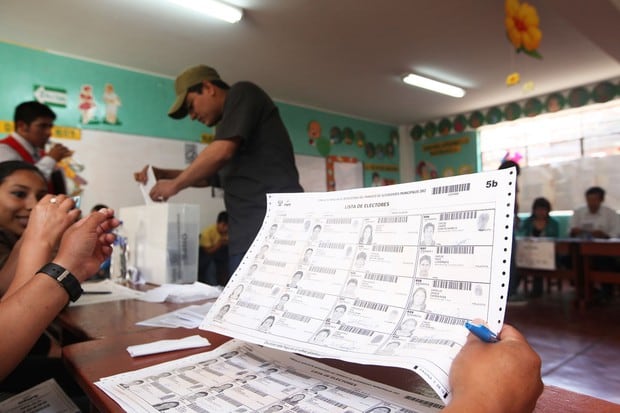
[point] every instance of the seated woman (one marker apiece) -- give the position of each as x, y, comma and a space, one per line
35, 295
539, 224
22, 185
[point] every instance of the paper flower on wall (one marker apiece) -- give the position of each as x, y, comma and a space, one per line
522, 27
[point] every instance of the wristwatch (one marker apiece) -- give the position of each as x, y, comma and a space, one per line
65, 279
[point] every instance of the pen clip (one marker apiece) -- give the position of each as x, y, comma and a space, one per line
482, 332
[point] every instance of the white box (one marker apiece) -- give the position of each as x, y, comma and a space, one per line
163, 241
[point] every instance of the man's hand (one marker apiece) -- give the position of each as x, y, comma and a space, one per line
141, 176
59, 152
496, 377
164, 189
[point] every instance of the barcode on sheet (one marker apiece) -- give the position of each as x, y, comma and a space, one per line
331, 245
229, 400
330, 401
261, 284
371, 305
356, 330
274, 263
388, 248
455, 249
337, 221
431, 340
296, 317
453, 285
425, 402
324, 270
247, 304
310, 293
254, 390
446, 189
352, 392
393, 220
285, 242
445, 319
381, 277
447, 216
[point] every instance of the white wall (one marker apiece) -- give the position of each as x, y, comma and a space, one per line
110, 159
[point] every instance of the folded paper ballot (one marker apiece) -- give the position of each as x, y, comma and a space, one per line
163, 346
181, 293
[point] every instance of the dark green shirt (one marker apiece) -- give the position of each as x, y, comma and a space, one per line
264, 162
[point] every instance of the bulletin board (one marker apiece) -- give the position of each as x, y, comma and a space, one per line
311, 173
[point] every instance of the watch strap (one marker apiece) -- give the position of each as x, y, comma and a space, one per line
65, 279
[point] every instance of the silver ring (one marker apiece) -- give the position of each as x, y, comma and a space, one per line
53, 200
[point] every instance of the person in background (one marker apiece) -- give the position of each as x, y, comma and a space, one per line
594, 220
33, 127
495, 377
252, 154
36, 296
539, 224
214, 250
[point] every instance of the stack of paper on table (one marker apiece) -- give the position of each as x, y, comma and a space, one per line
346, 275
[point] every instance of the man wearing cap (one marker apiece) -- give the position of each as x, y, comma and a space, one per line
251, 155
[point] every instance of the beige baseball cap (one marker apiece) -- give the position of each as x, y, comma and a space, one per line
184, 81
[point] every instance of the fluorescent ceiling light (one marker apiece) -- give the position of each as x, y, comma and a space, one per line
434, 85
212, 8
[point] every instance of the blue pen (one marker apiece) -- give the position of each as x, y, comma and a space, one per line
482, 332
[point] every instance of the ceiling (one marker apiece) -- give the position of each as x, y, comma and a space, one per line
342, 56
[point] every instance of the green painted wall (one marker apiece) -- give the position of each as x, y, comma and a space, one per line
145, 100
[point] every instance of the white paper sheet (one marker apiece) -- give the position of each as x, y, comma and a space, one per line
316, 281
181, 293
188, 317
241, 377
163, 346
104, 291
145, 189
45, 397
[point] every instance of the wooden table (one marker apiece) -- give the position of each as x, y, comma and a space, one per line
92, 360
581, 254
108, 319
590, 251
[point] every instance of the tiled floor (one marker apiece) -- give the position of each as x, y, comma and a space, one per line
580, 349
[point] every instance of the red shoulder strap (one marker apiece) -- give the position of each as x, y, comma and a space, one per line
12, 142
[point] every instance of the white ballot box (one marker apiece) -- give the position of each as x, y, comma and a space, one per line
162, 241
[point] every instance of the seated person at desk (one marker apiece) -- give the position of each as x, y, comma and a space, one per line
595, 220
214, 250
35, 297
22, 185
539, 224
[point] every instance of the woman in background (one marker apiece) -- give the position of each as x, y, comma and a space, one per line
539, 224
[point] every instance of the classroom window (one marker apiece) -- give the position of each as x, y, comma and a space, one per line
591, 131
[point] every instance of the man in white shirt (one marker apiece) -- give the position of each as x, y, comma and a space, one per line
33, 127
595, 220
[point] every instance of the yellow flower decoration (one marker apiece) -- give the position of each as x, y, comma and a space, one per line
522, 27
513, 79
